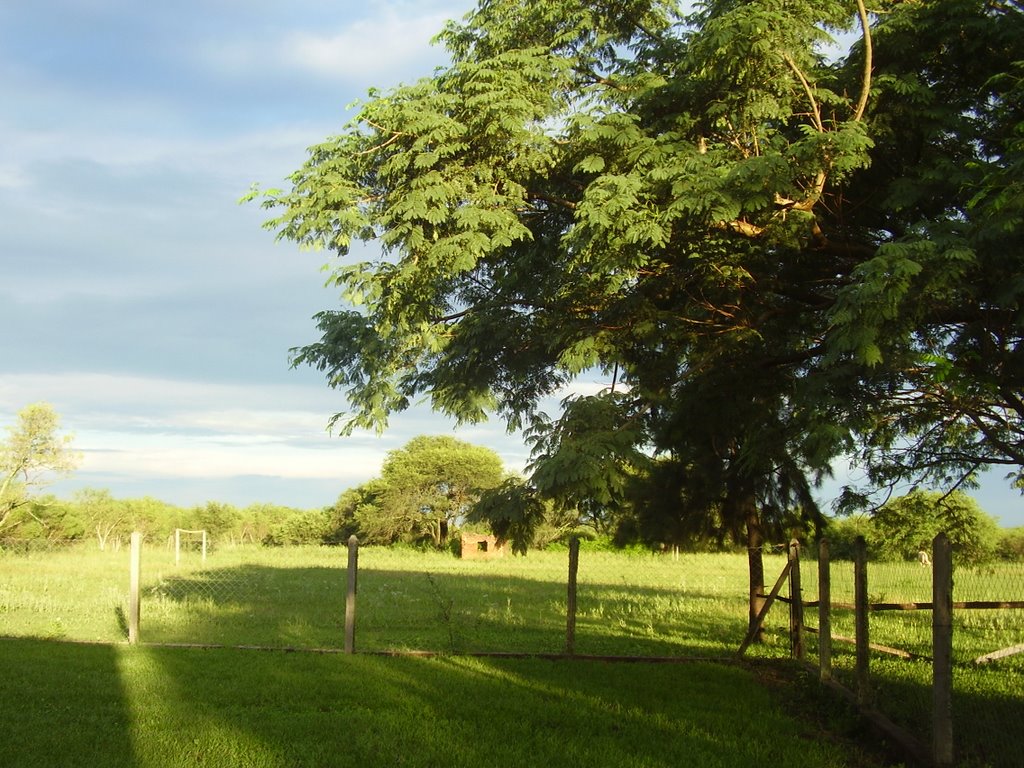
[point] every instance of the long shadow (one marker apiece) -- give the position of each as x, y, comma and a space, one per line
429, 611
64, 704
298, 709
988, 704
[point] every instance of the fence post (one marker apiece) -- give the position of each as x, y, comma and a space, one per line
135, 579
350, 596
570, 612
824, 612
796, 604
942, 651
860, 599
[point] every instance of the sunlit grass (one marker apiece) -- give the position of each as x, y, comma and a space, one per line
153, 707
629, 604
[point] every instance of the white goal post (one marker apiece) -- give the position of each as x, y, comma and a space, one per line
177, 542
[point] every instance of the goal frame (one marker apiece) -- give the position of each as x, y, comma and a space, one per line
177, 542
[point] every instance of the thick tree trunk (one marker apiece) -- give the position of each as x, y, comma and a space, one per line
740, 506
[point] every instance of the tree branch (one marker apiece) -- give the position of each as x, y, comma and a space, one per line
865, 89
815, 108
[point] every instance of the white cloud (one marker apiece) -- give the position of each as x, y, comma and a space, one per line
377, 48
137, 429
183, 457
12, 177
391, 45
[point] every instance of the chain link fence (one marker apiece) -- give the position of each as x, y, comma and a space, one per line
627, 604
64, 590
987, 649
243, 595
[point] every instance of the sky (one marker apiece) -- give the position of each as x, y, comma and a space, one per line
138, 297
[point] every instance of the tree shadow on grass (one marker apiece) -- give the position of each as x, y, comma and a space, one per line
299, 709
64, 705
437, 612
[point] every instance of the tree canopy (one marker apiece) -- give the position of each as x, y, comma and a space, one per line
779, 252
33, 452
424, 489
904, 526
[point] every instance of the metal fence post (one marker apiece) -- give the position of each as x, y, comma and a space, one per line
942, 651
350, 596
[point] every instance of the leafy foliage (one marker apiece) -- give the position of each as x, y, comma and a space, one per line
906, 525
782, 257
513, 511
31, 453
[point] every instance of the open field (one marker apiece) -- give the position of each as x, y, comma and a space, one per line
74, 705
629, 605
407, 600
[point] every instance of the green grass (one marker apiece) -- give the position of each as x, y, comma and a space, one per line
628, 605
73, 705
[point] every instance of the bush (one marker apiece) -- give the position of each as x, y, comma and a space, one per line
1011, 544
312, 527
842, 534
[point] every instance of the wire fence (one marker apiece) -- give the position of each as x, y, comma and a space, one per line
627, 604
987, 649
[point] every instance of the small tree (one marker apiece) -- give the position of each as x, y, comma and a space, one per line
32, 453
216, 518
103, 515
352, 506
1011, 544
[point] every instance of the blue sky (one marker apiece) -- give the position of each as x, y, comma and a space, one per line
139, 298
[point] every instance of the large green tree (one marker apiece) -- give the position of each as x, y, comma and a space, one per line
31, 455
425, 488
903, 527
938, 306
756, 238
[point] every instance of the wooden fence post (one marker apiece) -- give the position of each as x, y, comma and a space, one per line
135, 579
570, 612
796, 603
860, 600
942, 651
350, 596
824, 612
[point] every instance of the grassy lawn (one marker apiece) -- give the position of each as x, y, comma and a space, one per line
692, 606
112, 705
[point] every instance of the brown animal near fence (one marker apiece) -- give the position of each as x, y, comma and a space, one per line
478, 546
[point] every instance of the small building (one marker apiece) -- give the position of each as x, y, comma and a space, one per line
478, 546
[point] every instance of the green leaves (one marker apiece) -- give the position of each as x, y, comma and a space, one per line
708, 207
585, 460
32, 451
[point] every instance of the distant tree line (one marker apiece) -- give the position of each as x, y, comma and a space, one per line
94, 514
434, 485
902, 528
